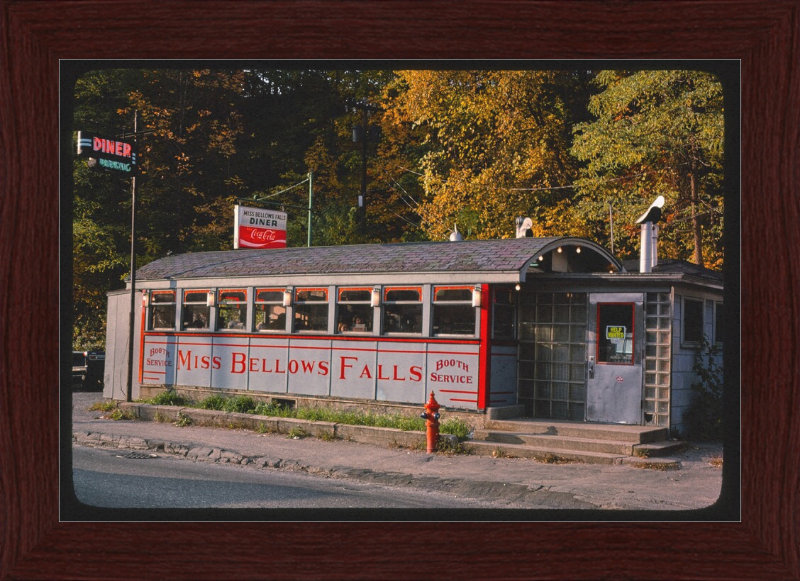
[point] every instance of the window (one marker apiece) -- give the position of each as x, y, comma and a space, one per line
162, 309
270, 312
311, 309
504, 312
402, 311
355, 313
196, 312
692, 321
719, 323
232, 309
615, 333
453, 313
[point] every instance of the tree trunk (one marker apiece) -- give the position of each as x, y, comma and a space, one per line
697, 230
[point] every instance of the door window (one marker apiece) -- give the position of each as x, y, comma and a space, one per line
615, 333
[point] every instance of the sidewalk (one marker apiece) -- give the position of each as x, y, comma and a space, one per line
517, 483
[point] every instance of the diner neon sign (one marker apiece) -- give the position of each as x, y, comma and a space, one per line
109, 153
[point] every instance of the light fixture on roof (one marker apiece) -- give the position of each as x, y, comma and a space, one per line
560, 250
578, 249
541, 258
145, 298
287, 297
375, 297
211, 299
516, 286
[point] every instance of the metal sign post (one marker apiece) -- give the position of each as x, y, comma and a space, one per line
129, 389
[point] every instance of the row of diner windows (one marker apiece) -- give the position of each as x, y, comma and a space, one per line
357, 310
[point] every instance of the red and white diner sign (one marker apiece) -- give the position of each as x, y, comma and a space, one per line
258, 228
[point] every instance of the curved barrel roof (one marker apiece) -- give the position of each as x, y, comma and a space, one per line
473, 256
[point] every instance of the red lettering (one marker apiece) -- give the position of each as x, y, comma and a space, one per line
118, 148
217, 362
323, 368
184, 360
416, 373
293, 366
126, 151
395, 375
278, 367
308, 366
380, 372
97, 144
346, 365
237, 362
108, 146
264, 367
254, 365
206, 361
365, 372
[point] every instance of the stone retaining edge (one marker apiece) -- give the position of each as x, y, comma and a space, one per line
389, 437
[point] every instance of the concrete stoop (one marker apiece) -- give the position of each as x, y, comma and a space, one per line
553, 442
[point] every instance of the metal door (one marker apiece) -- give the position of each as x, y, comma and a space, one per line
615, 339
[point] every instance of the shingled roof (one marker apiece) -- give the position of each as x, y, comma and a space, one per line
423, 257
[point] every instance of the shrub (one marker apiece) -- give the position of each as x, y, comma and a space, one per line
703, 418
241, 404
214, 402
456, 427
169, 398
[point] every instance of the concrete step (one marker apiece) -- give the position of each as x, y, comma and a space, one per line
541, 454
658, 449
622, 448
614, 432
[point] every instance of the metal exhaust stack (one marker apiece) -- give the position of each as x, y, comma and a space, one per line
648, 257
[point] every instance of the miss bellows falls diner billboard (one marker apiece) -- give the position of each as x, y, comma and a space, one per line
258, 228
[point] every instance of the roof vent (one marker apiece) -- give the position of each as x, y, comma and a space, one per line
524, 227
648, 257
456, 235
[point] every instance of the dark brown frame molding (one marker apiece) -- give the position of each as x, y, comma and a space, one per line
39, 539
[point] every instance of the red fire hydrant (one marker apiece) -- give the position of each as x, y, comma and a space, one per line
432, 424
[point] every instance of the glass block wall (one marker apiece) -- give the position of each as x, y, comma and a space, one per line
657, 359
552, 355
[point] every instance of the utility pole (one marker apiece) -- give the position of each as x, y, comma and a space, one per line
129, 394
310, 197
363, 133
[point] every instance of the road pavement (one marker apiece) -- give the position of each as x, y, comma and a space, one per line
511, 483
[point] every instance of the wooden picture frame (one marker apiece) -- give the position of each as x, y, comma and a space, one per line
754, 536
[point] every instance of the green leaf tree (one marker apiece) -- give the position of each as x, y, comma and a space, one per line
656, 133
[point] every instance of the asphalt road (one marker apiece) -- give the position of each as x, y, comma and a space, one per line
109, 479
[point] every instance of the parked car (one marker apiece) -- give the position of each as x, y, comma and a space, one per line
87, 370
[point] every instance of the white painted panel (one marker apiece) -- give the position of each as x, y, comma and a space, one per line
453, 373
267, 365
230, 366
309, 366
400, 372
503, 382
159, 363
194, 361
353, 369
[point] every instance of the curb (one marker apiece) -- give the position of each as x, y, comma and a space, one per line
387, 437
478, 489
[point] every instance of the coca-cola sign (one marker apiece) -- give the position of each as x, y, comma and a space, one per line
258, 228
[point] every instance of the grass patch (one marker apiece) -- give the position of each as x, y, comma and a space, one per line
214, 402
183, 421
297, 434
242, 404
169, 398
103, 406
119, 414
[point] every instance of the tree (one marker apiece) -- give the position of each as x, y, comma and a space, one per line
657, 133
496, 146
